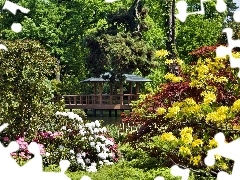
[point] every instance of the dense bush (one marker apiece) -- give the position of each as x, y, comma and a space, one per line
26, 105
26, 91
156, 74
124, 171
86, 145
180, 120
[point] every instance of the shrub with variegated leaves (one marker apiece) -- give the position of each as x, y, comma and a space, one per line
180, 120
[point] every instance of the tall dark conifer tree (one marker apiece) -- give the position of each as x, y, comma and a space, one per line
120, 48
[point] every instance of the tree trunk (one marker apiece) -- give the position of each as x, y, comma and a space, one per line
171, 39
58, 73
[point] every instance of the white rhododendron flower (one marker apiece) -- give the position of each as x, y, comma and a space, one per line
61, 147
63, 128
98, 148
91, 169
87, 160
92, 144
83, 154
97, 123
104, 129
92, 137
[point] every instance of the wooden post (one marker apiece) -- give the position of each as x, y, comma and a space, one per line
110, 113
111, 92
137, 89
85, 110
130, 87
100, 92
95, 88
115, 113
110, 99
75, 100
95, 92
101, 113
94, 113
121, 93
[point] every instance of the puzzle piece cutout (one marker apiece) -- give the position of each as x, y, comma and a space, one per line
226, 150
110, 1
236, 16
12, 7
32, 169
177, 171
34, 164
182, 9
16, 27
7, 161
85, 178
222, 51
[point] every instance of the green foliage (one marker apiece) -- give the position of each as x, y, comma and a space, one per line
60, 27
70, 84
112, 60
136, 164
115, 132
155, 35
157, 74
204, 97
119, 48
55, 24
26, 93
79, 112
123, 171
197, 32
202, 30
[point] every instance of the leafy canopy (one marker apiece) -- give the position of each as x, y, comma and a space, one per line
118, 47
26, 91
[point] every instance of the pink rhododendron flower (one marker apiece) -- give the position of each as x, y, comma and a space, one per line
5, 139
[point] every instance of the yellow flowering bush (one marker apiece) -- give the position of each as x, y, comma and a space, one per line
236, 106
168, 137
209, 97
181, 119
173, 78
161, 111
161, 53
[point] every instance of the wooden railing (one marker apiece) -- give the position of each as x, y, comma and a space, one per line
97, 99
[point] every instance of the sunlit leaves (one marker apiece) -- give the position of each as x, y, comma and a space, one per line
26, 90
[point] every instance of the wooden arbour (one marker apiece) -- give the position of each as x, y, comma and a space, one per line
110, 101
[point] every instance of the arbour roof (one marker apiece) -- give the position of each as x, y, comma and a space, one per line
129, 78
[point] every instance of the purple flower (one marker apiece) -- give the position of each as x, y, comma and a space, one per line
5, 139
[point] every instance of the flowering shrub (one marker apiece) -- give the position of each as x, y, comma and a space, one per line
22, 155
180, 120
86, 145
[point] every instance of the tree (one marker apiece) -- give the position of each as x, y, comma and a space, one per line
202, 30
26, 91
60, 27
195, 32
118, 47
171, 37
